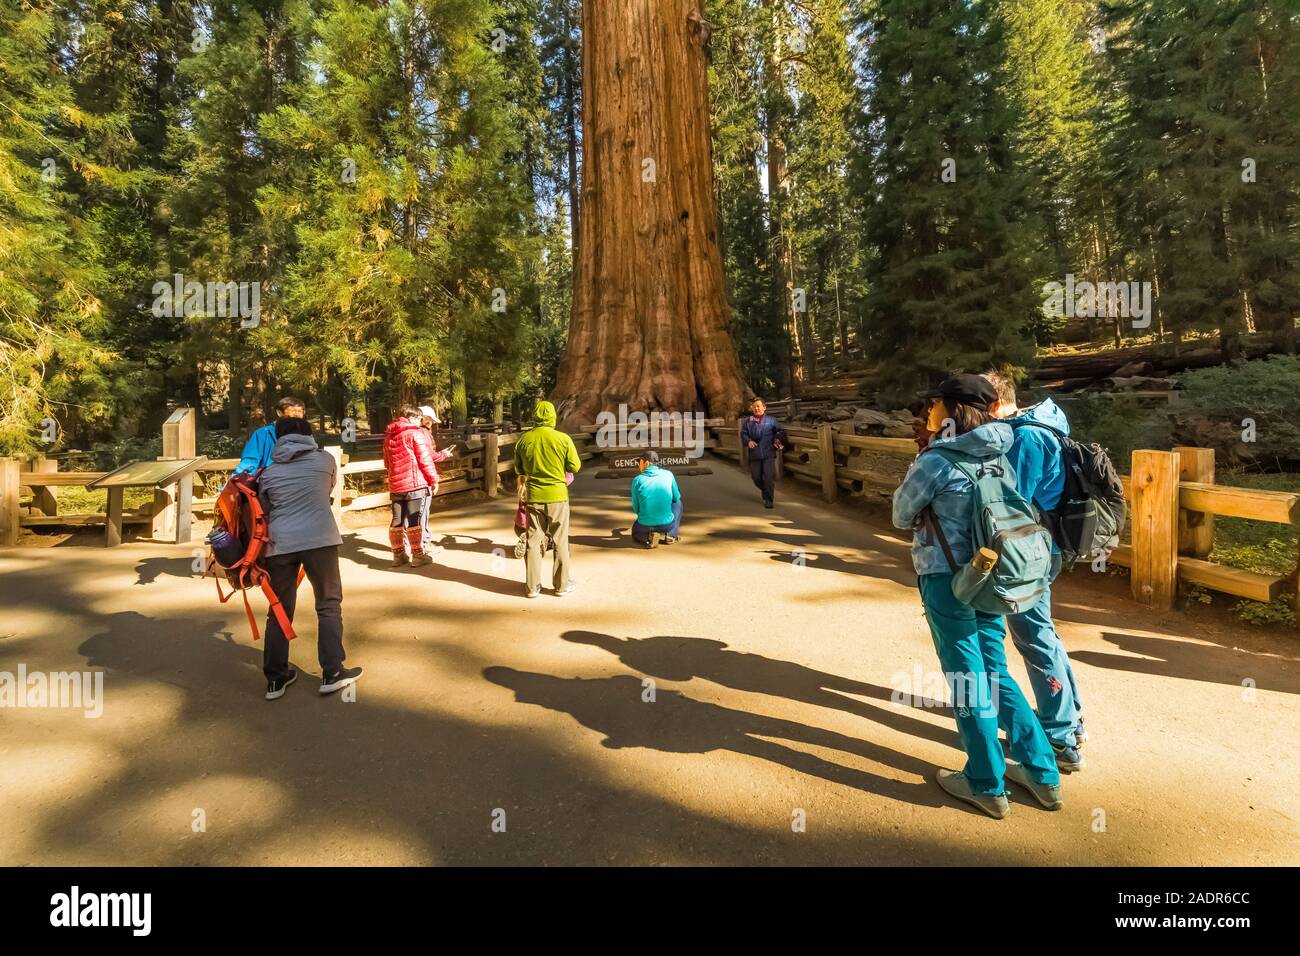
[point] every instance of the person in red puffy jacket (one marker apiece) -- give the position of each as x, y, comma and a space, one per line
412, 464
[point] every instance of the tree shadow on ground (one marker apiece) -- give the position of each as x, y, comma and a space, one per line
1183, 659
681, 658
675, 723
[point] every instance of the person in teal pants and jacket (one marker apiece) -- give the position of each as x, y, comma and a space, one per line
970, 643
1036, 458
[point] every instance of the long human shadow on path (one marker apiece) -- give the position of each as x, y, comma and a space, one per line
675, 723
1183, 659
619, 537
378, 770
417, 776
150, 569
358, 549
889, 562
681, 658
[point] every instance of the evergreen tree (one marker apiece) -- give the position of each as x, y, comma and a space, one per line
51, 315
951, 274
757, 317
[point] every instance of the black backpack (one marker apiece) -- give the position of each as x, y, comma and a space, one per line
1086, 523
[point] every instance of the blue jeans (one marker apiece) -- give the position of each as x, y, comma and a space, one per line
985, 696
1050, 673
641, 532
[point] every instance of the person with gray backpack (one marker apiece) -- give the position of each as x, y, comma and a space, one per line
979, 554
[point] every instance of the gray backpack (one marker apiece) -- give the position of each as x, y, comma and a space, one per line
1005, 523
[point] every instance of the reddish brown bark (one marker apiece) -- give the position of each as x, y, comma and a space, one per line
650, 316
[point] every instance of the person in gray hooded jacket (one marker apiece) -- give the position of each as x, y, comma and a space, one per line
295, 489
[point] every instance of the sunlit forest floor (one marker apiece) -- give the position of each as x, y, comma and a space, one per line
772, 640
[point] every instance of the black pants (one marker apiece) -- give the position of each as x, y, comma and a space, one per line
411, 509
322, 566
763, 471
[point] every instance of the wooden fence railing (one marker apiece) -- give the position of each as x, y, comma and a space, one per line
485, 457
1172, 503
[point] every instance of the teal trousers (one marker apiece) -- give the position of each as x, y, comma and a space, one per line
984, 696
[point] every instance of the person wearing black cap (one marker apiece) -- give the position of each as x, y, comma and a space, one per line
934, 501
657, 503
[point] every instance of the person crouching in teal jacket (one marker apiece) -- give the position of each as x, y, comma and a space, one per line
934, 501
657, 503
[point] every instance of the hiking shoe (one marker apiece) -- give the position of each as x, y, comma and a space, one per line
1068, 759
567, 589
652, 542
1080, 736
768, 504
337, 680
954, 783
533, 592
668, 539
420, 560
400, 559
275, 688
1048, 795
521, 548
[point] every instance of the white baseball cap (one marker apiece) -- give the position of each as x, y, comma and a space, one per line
427, 411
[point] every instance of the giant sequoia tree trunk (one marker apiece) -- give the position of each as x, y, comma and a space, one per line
650, 316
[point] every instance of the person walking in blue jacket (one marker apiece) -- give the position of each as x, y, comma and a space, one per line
970, 643
257, 450
657, 503
763, 435
1035, 456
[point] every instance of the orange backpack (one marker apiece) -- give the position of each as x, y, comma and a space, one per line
239, 537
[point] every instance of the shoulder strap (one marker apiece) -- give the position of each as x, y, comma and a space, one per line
1045, 427
933, 521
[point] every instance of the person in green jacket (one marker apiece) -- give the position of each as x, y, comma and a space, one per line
542, 455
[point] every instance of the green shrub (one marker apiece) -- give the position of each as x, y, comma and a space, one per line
1277, 614
1266, 391
1119, 424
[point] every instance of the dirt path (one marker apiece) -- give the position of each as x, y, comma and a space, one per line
774, 640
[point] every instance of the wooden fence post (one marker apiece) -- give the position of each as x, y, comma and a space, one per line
173, 507
1195, 528
45, 498
826, 450
336, 494
9, 526
113, 517
491, 462
1154, 569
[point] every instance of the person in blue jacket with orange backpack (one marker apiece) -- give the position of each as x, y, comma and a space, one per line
257, 450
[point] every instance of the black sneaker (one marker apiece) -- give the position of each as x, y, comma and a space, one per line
339, 679
275, 688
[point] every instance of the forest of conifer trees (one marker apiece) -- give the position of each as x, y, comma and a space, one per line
895, 182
